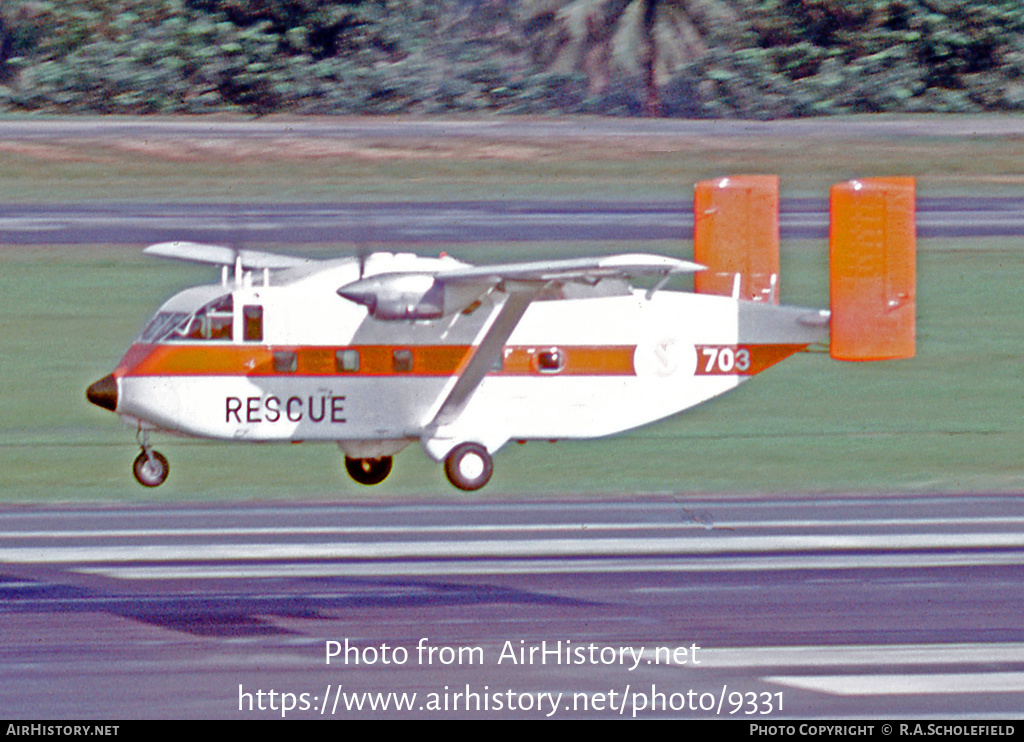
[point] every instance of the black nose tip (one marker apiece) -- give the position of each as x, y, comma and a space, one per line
103, 393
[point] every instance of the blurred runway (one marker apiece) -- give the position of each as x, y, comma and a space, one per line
859, 606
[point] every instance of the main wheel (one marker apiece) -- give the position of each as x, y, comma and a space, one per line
151, 469
469, 466
368, 471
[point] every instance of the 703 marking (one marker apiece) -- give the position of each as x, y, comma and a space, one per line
716, 360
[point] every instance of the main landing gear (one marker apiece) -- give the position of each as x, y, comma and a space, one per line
150, 467
469, 466
368, 471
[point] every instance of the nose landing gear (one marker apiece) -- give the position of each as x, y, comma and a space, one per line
150, 467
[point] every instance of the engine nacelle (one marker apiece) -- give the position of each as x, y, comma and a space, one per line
398, 296
411, 296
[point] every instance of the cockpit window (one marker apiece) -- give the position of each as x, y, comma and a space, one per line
213, 321
161, 326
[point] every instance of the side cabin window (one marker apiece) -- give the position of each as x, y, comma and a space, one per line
211, 322
252, 323
286, 361
401, 360
346, 360
549, 361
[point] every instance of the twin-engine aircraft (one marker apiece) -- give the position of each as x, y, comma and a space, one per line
383, 350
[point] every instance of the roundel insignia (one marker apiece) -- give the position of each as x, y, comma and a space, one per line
663, 357
666, 358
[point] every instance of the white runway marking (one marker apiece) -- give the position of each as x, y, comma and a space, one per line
891, 655
903, 685
898, 657
504, 548
683, 525
549, 566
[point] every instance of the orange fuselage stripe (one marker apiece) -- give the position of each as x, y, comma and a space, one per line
215, 359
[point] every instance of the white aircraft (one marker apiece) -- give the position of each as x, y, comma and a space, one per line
380, 351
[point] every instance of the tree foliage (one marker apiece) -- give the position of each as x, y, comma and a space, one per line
750, 58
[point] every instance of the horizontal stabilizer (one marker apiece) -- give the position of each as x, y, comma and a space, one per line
195, 252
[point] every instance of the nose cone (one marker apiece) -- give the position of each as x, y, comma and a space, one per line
103, 393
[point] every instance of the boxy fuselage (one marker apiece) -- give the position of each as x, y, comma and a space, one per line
290, 355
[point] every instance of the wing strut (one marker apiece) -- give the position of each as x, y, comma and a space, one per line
488, 353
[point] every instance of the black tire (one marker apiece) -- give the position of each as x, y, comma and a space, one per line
151, 472
368, 471
469, 466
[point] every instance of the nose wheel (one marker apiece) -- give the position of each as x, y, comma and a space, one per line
151, 468
469, 466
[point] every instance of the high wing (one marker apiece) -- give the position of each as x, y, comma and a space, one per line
423, 295
577, 269
195, 252
419, 296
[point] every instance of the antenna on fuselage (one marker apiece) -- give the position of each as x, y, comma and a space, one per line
362, 254
240, 233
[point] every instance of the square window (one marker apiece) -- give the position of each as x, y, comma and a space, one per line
550, 361
285, 361
252, 320
402, 360
346, 361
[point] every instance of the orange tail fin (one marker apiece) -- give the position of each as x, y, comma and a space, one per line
736, 232
872, 240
